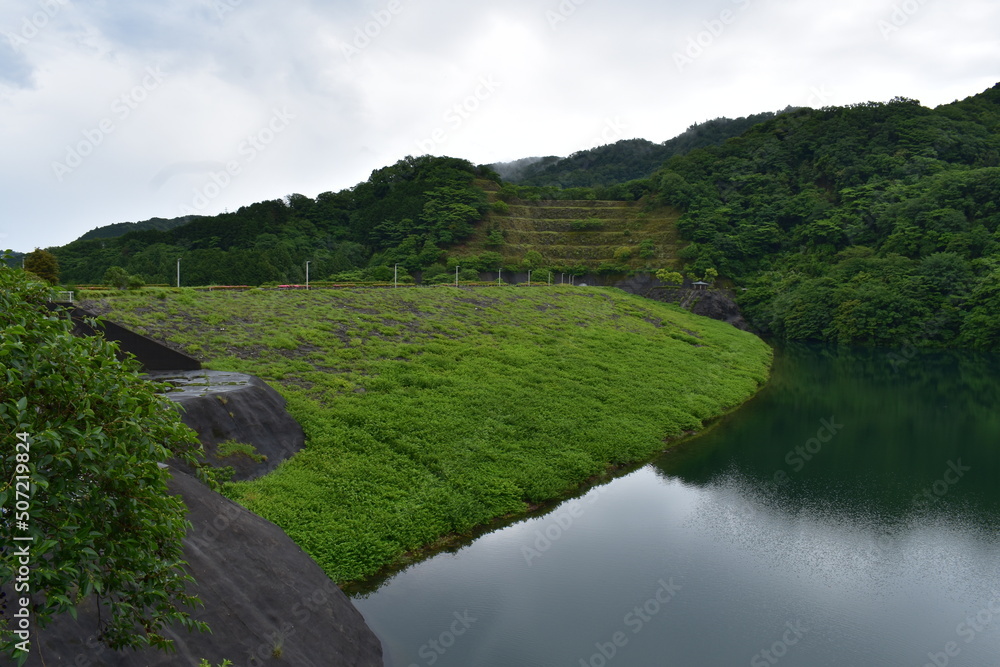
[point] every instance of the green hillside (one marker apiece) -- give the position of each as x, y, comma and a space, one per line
429, 412
122, 228
873, 224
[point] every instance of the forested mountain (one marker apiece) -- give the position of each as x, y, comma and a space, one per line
122, 228
14, 259
625, 160
874, 224
404, 213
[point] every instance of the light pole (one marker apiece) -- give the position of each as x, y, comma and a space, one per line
307, 275
178, 273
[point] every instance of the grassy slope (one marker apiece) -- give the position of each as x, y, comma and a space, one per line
431, 411
546, 226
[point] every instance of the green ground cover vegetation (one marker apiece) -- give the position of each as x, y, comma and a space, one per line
431, 411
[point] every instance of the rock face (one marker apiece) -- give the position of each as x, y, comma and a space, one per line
266, 601
223, 407
717, 304
153, 355
714, 303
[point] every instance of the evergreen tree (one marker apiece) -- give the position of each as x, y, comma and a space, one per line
43, 264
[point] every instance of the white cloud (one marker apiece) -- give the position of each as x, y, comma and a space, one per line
528, 78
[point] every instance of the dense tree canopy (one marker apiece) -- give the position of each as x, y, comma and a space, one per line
43, 264
873, 224
402, 214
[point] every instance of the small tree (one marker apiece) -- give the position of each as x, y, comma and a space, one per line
670, 277
43, 264
116, 277
494, 238
88, 432
532, 260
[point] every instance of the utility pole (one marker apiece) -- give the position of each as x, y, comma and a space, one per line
178, 272
395, 276
307, 275
456, 276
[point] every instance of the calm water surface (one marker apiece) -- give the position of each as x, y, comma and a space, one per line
849, 515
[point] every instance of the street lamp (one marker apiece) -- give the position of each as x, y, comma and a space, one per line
307, 275
178, 272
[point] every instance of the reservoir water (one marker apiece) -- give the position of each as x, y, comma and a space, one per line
848, 515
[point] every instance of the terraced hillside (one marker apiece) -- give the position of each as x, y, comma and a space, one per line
593, 234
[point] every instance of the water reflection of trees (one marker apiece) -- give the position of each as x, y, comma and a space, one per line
906, 414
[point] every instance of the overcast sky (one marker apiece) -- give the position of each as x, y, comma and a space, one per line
123, 111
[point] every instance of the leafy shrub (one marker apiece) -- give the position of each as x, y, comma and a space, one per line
588, 225
94, 432
234, 448
623, 254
